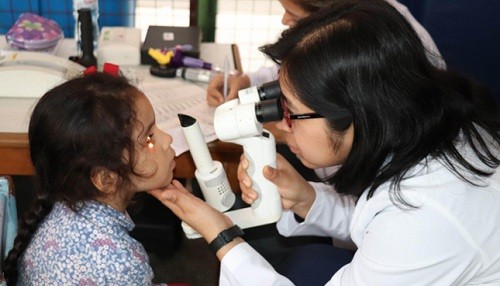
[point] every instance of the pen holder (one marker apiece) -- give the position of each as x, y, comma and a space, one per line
162, 71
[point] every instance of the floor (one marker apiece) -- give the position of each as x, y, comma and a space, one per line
192, 264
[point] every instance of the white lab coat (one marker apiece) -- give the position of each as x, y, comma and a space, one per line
451, 238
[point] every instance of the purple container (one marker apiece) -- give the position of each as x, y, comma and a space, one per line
34, 32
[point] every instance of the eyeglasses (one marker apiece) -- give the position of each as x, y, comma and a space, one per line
289, 116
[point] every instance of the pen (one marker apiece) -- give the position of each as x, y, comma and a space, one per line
226, 77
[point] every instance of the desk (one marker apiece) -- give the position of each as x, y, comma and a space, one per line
14, 146
15, 158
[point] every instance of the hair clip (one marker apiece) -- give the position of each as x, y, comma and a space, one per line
108, 68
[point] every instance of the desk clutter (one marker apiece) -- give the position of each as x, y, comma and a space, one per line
167, 37
119, 45
34, 32
175, 52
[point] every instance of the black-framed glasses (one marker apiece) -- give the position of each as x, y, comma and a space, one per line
290, 116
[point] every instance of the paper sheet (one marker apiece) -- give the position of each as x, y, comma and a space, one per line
173, 96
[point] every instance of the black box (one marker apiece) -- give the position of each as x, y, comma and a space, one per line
160, 37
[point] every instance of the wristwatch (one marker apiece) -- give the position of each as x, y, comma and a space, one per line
225, 237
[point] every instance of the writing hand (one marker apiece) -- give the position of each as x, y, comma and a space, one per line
215, 88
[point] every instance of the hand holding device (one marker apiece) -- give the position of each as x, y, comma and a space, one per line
242, 124
210, 174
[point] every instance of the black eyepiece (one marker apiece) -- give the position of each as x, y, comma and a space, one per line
269, 90
268, 110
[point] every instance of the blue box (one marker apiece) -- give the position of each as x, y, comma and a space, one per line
11, 9
111, 13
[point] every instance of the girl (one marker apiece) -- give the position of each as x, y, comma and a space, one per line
94, 144
417, 190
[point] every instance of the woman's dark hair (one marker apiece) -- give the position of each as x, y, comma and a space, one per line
76, 128
312, 6
362, 58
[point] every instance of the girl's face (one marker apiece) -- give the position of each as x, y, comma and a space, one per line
154, 156
293, 13
314, 143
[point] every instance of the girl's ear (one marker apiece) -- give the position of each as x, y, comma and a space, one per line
104, 180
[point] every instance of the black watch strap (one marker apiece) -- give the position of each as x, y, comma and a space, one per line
298, 218
225, 237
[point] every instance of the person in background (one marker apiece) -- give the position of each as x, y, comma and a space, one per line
417, 190
294, 11
94, 144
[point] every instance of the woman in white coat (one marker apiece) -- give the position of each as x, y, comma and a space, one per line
417, 190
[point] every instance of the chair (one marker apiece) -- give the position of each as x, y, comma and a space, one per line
8, 216
216, 53
156, 227
467, 35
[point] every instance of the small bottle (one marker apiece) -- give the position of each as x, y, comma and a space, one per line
196, 63
181, 60
93, 5
195, 74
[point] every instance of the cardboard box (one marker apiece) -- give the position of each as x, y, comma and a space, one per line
164, 37
120, 46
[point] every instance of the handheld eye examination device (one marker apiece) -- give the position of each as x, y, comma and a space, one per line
239, 121
210, 174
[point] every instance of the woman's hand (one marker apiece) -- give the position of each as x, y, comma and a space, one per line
203, 218
215, 96
296, 193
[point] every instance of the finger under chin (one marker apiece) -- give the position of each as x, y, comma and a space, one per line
177, 185
155, 193
247, 199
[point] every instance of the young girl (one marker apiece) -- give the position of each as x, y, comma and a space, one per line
94, 144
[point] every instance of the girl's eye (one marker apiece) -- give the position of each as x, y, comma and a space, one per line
150, 141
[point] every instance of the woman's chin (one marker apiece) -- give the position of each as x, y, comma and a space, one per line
307, 163
312, 165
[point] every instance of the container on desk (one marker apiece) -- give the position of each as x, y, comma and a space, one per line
111, 13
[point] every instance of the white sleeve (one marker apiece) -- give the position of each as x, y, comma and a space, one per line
408, 247
432, 50
263, 75
324, 173
242, 265
330, 215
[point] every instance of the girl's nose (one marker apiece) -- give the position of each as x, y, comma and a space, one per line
168, 141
